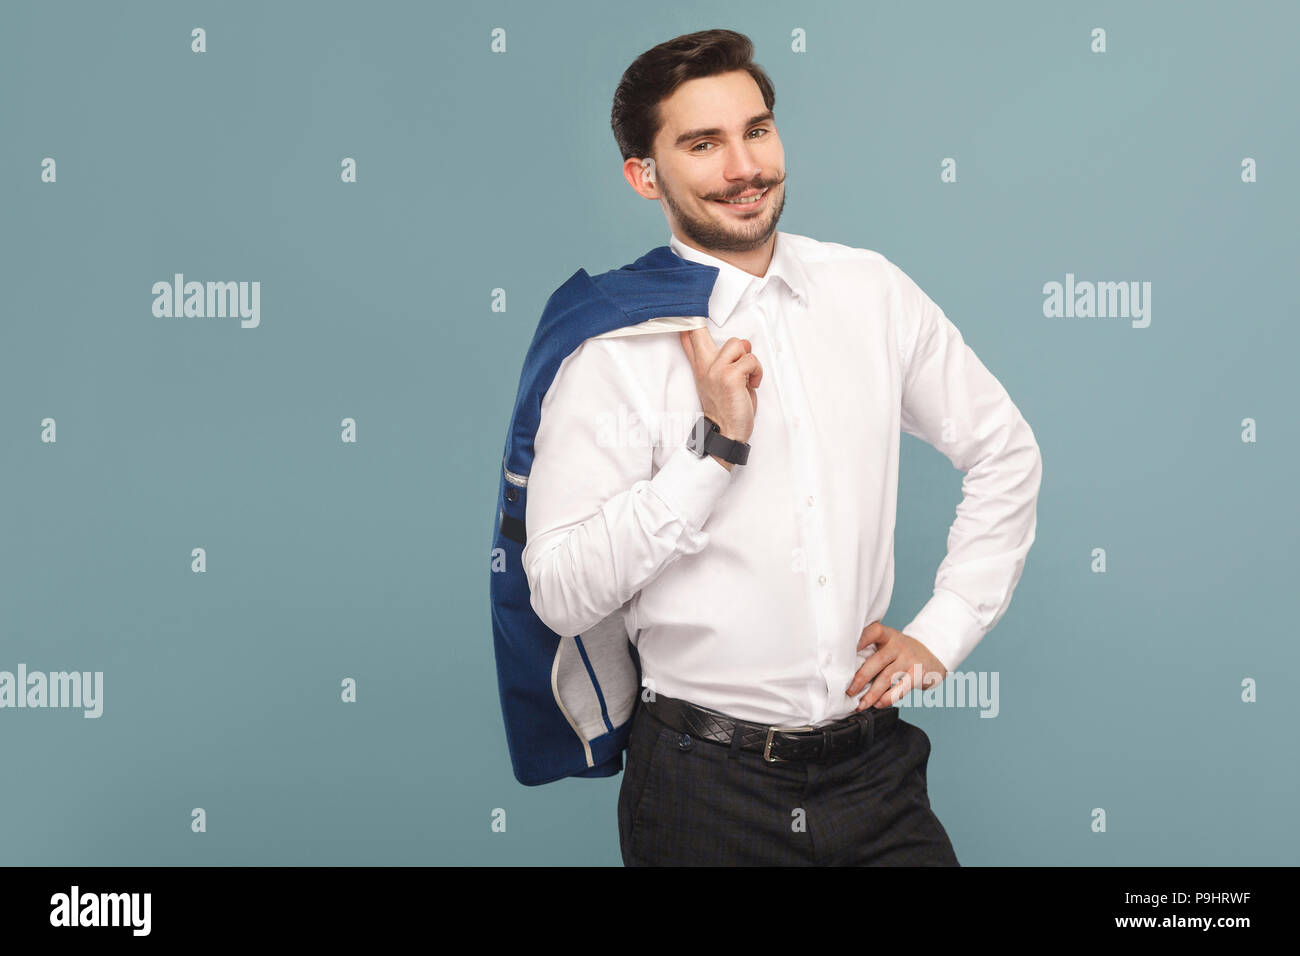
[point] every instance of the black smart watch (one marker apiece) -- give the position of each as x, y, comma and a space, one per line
706, 438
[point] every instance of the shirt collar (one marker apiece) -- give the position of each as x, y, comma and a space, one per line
732, 282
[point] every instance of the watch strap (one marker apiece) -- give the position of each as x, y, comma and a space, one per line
716, 443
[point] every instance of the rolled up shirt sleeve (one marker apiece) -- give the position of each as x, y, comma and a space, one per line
954, 403
601, 522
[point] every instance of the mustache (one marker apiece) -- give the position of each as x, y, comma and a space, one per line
763, 184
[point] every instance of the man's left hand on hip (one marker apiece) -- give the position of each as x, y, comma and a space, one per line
897, 657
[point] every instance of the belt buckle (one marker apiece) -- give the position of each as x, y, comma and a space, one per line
767, 747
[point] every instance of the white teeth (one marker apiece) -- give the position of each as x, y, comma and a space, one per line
755, 198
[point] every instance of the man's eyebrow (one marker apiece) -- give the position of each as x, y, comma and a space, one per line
715, 131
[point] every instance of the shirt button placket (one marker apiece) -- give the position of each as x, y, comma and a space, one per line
805, 477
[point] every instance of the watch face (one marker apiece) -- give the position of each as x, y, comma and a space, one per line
695, 441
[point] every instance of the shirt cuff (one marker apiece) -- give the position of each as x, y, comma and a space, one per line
948, 627
691, 486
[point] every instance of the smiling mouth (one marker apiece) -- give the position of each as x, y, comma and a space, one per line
745, 200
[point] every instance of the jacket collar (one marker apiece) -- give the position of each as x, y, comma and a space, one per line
733, 283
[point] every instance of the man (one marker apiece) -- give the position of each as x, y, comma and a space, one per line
753, 568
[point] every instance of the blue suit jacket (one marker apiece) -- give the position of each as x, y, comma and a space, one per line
568, 699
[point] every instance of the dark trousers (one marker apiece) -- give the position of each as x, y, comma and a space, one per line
691, 802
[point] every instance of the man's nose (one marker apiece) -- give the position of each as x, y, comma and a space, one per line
742, 165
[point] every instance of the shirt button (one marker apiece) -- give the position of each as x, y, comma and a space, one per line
810, 500
822, 579
796, 421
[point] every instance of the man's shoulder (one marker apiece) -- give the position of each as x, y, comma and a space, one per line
613, 365
823, 252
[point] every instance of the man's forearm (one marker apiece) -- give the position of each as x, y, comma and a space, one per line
581, 574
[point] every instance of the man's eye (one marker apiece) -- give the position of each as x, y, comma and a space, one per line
757, 129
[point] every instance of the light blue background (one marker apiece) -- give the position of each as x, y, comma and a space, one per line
476, 171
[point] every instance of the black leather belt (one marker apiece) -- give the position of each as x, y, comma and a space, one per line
829, 742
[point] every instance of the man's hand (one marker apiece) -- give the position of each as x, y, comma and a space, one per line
726, 379
898, 657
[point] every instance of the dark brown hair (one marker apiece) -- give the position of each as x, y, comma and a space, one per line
654, 75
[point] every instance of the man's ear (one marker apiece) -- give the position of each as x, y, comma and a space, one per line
640, 175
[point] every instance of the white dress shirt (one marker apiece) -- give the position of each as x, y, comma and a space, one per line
747, 590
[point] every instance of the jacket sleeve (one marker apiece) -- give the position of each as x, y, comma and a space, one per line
954, 403
600, 525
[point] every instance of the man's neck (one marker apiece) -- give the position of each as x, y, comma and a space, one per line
755, 262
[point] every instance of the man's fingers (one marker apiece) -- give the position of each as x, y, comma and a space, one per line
745, 366
898, 691
704, 346
732, 350
688, 346
700, 350
871, 634
873, 665
880, 685
703, 352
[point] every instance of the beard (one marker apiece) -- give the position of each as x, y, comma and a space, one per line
740, 235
